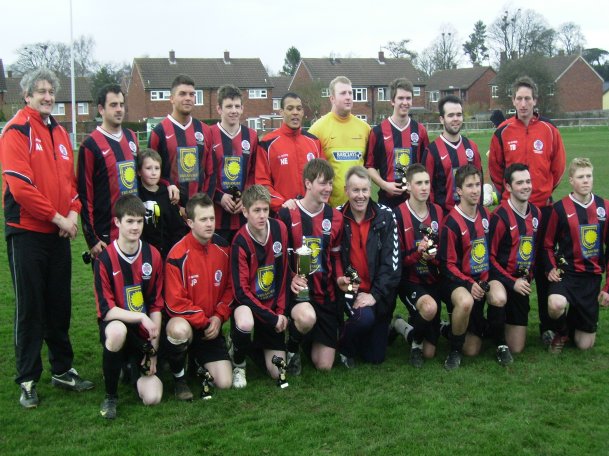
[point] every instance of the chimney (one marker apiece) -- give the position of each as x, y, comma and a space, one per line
226, 57
381, 57
172, 57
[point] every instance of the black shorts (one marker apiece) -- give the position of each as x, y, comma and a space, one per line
477, 323
517, 308
132, 350
208, 351
581, 291
326, 327
266, 338
410, 293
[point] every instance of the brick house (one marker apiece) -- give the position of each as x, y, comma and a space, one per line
469, 84
86, 109
576, 84
151, 78
370, 78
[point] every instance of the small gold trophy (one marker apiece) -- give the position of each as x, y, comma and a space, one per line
400, 175
304, 258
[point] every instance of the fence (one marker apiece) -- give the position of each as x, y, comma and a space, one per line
474, 125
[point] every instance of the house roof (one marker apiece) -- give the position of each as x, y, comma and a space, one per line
281, 85
82, 88
558, 65
2, 78
363, 71
159, 73
459, 78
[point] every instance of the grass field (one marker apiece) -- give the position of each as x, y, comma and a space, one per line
540, 405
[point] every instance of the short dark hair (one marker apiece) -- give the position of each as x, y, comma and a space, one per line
400, 83
199, 199
448, 99
525, 81
103, 92
148, 153
181, 79
317, 167
414, 169
288, 95
513, 168
464, 172
228, 91
129, 205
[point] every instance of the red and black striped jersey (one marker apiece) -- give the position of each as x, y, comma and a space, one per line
464, 247
442, 159
415, 268
197, 281
580, 232
185, 150
260, 272
106, 171
322, 233
133, 283
513, 241
389, 145
234, 164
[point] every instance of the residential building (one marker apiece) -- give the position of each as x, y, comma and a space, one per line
469, 84
370, 79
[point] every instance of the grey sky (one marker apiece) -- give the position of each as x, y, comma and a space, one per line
266, 29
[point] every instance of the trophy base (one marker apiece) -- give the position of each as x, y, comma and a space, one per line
303, 296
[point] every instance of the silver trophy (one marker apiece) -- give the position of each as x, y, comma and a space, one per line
304, 258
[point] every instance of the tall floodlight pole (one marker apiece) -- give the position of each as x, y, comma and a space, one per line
72, 78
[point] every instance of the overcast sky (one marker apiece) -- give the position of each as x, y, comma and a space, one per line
126, 29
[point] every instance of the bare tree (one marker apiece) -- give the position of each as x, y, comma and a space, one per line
571, 38
56, 56
519, 33
425, 61
446, 49
399, 50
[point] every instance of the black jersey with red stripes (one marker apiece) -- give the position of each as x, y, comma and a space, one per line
322, 233
513, 242
415, 268
133, 283
579, 232
234, 164
388, 146
185, 151
464, 247
106, 171
442, 159
260, 272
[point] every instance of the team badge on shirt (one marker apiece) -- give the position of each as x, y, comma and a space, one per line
326, 225
535, 223
485, 225
245, 145
310, 156
265, 282
589, 240
538, 145
134, 299
469, 153
132, 146
126, 177
188, 164
414, 138
199, 136
600, 213
146, 271
277, 248
64, 152
479, 256
217, 277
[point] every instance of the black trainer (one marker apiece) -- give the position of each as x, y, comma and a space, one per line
71, 381
416, 357
504, 356
108, 407
453, 360
29, 396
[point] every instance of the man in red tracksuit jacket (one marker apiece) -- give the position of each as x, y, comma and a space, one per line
283, 154
530, 139
198, 296
41, 209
